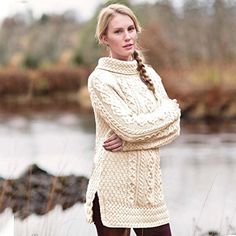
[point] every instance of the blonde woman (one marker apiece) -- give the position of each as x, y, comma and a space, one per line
134, 118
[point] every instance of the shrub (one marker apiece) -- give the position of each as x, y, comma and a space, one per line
31, 61
63, 79
14, 81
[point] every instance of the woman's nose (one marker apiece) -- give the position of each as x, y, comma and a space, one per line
127, 35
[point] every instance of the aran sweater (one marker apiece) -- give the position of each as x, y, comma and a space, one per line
128, 182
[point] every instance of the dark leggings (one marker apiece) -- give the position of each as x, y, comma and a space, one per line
163, 230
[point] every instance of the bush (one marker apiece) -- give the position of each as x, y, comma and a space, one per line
31, 61
63, 79
14, 82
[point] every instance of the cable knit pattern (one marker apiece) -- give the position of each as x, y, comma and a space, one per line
128, 182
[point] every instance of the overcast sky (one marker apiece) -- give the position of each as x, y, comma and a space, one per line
83, 8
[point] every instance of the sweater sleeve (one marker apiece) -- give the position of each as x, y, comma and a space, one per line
161, 139
164, 137
121, 119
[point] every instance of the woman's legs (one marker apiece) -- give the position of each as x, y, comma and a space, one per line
163, 230
103, 230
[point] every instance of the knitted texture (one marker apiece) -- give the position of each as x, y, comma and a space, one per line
128, 182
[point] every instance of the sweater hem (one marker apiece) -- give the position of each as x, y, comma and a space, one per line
115, 216
135, 225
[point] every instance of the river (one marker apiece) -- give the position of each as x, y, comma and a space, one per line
198, 169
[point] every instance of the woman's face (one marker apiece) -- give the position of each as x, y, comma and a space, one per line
121, 37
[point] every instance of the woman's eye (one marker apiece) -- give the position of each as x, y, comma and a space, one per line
117, 31
131, 28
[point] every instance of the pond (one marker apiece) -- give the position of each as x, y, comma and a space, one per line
199, 171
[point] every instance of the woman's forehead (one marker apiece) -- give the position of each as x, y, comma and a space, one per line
120, 21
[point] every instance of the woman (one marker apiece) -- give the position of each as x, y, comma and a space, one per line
134, 117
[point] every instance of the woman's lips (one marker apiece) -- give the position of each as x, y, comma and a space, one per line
128, 46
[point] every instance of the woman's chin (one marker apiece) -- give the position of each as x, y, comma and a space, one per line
129, 54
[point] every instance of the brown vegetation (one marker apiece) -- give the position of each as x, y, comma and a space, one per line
38, 192
203, 92
192, 48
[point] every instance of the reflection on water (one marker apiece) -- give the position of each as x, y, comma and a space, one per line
61, 144
199, 170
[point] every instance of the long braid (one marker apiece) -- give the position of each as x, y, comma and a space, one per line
143, 73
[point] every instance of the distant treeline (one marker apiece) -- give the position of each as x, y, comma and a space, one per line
200, 32
46, 61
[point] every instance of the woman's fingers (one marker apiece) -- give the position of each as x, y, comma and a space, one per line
113, 143
117, 140
112, 137
117, 145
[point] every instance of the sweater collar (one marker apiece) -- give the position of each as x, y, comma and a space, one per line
117, 66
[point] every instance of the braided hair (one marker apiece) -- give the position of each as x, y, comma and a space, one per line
142, 71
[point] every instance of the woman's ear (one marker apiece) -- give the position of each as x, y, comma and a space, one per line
104, 40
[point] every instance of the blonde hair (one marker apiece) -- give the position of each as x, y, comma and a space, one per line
104, 17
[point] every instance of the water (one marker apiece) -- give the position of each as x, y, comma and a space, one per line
61, 144
199, 171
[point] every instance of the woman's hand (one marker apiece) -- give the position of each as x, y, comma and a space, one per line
113, 143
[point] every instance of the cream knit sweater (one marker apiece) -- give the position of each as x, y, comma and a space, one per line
128, 182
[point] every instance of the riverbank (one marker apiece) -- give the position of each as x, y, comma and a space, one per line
202, 105
204, 92
38, 192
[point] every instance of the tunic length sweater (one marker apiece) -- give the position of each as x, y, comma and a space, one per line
128, 182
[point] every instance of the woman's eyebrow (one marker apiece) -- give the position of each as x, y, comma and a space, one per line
115, 28
118, 28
